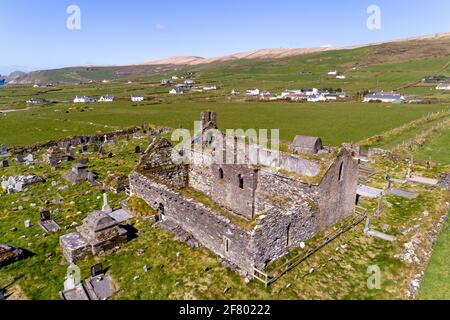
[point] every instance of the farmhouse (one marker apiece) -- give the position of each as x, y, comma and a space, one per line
248, 214
137, 97
166, 82
107, 99
389, 97
253, 92
210, 88
37, 100
443, 86
316, 98
177, 90
84, 99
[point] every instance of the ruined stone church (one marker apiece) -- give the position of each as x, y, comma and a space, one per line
248, 214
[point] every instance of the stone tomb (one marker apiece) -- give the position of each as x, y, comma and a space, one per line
54, 156
79, 173
98, 233
9, 254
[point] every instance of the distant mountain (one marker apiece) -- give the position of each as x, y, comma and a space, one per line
16, 77
388, 52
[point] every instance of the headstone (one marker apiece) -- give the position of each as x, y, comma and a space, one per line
84, 161
137, 149
85, 149
27, 224
106, 208
90, 177
18, 187
110, 155
73, 278
20, 158
45, 215
96, 148
5, 164
29, 158
4, 149
105, 139
97, 270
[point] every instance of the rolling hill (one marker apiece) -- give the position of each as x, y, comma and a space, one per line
411, 49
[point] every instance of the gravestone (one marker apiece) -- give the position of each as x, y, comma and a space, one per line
5, 163
20, 158
45, 215
91, 177
4, 149
137, 149
84, 161
110, 155
85, 149
106, 208
29, 158
97, 270
96, 148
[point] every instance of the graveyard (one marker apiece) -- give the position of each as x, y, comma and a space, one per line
154, 265
66, 169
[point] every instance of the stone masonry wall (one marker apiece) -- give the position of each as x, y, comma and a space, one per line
338, 190
288, 216
209, 228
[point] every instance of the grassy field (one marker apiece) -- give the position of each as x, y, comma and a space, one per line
437, 148
338, 271
334, 122
436, 283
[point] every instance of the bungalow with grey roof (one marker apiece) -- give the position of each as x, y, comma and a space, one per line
389, 97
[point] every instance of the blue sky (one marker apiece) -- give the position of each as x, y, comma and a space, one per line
33, 33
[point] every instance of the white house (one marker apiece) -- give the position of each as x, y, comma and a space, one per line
389, 97
253, 92
443, 86
36, 100
210, 88
107, 99
177, 90
84, 99
316, 98
137, 97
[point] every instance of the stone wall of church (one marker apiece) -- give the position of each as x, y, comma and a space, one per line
209, 228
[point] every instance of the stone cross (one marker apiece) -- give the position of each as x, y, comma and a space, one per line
105, 139
106, 208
